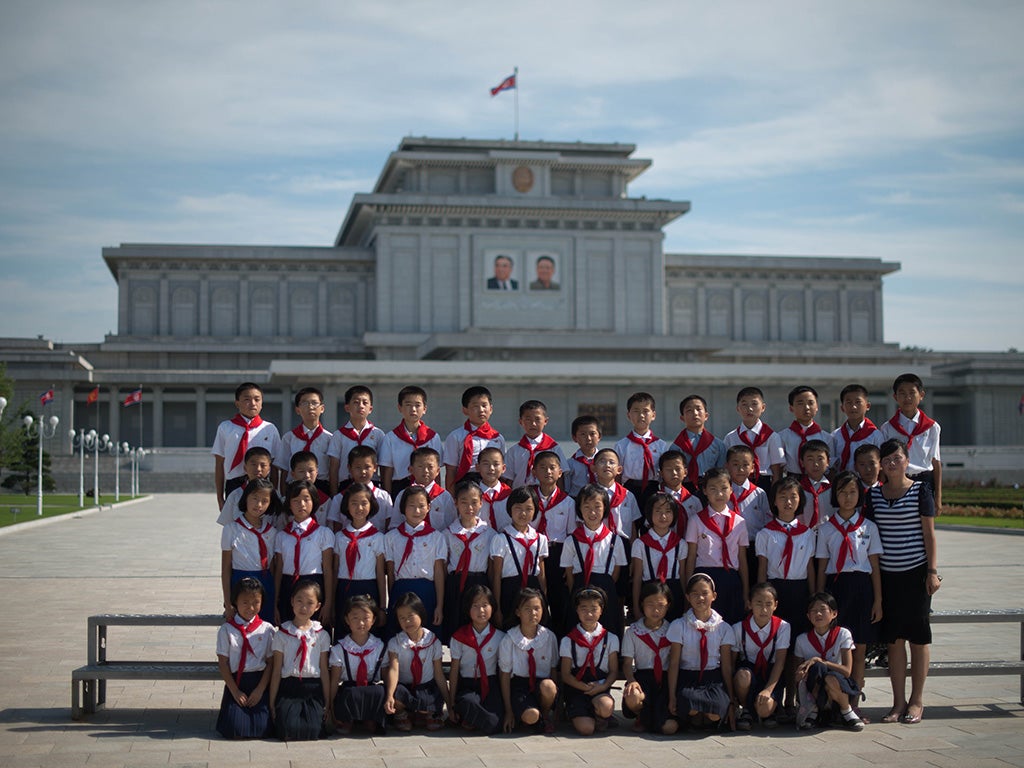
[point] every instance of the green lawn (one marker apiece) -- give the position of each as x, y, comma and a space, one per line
53, 504
1005, 497
982, 522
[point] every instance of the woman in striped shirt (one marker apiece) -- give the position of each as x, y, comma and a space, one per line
904, 511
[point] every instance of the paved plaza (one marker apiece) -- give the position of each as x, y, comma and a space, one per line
161, 556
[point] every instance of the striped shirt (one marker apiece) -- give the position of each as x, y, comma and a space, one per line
899, 525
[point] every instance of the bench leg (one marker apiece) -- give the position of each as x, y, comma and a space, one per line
76, 700
89, 696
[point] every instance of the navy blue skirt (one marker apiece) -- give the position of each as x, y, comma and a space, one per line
510, 586
455, 613
266, 578
425, 697
854, 594
793, 598
654, 713
343, 590
701, 692
426, 591
757, 684
611, 617
482, 713
238, 722
299, 709
730, 602
284, 600
357, 703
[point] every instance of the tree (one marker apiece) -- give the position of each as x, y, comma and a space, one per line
8, 428
22, 460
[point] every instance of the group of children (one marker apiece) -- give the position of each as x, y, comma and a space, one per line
523, 545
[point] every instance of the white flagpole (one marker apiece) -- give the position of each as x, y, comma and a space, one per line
515, 73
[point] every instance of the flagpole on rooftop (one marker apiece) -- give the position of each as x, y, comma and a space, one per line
515, 74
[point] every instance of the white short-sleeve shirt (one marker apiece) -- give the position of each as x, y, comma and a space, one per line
426, 549
507, 545
229, 644
288, 641
513, 653
404, 647
346, 654
685, 631
467, 656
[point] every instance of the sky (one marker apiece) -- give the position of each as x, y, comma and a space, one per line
891, 130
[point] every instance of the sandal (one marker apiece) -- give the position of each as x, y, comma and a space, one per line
894, 715
910, 719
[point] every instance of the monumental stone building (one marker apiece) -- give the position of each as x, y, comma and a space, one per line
525, 266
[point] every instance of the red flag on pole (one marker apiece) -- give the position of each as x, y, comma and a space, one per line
93, 397
505, 85
47, 397
133, 398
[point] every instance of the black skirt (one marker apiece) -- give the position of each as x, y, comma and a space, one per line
455, 614
793, 597
299, 709
425, 697
854, 594
654, 713
356, 703
238, 722
484, 714
701, 692
906, 605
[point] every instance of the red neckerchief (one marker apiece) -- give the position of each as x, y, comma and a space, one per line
797, 428
830, 640
485, 432
352, 548
417, 663
546, 444
300, 433
357, 437
757, 442
424, 434
362, 672
861, 434
712, 525
556, 498
669, 546
467, 636
433, 490
616, 497
580, 534
924, 423
290, 530
492, 496
644, 443
264, 560
846, 548
243, 444
787, 551
761, 662
588, 463
808, 485
703, 650
527, 545
531, 665
464, 558
409, 538
703, 443
578, 638
303, 653
735, 500
245, 630
656, 646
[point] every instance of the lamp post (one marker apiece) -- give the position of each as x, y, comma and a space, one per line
137, 454
117, 450
43, 430
98, 443
3, 405
78, 439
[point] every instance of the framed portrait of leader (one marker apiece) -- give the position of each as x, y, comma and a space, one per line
544, 270
503, 269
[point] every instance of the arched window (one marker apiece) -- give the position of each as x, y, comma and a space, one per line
224, 312
184, 315
262, 312
791, 325
755, 320
143, 311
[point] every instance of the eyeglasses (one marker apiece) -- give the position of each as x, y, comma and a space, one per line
310, 404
